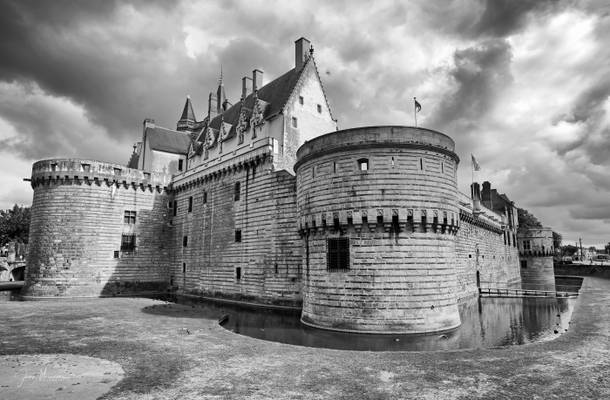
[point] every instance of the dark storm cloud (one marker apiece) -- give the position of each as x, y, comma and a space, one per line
503, 17
479, 73
600, 212
73, 50
485, 18
588, 109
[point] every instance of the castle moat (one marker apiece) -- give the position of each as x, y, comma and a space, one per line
486, 323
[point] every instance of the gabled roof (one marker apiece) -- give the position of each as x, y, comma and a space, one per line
274, 95
167, 140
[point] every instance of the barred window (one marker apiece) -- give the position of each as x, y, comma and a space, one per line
129, 217
337, 256
526, 245
128, 243
237, 191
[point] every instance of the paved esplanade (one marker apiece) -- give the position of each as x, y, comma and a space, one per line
161, 360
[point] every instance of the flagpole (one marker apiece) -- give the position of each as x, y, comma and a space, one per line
415, 110
472, 170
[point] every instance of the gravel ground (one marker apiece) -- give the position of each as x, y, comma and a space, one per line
169, 351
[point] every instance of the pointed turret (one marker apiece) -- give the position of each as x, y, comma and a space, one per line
220, 94
187, 120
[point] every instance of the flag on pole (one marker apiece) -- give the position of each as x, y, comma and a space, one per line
417, 105
475, 164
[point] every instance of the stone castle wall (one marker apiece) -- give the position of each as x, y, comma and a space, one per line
77, 223
268, 253
483, 249
400, 216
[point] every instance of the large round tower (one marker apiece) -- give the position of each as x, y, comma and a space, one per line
378, 215
96, 229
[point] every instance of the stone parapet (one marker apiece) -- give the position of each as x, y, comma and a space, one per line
77, 171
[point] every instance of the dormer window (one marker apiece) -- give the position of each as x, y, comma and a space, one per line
319, 109
301, 100
294, 122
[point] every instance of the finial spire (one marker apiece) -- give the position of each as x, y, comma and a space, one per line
220, 78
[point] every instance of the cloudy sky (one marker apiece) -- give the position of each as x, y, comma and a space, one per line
523, 85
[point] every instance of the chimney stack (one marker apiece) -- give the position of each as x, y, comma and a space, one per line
149, 123
475, 190
301, 50
246, 86
257, 79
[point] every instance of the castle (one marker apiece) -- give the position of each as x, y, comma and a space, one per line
265, 201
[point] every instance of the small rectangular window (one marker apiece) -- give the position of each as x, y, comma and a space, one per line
116, 254
205, 197
190, 203
421, 164
363, 164
175, 207
526, 245
238, 273
185, 241
180, 165
237, 191
523, 263
184, 268
301, 100
129, 217
128, 243
337, 256
319, 109
294, 122
238, 235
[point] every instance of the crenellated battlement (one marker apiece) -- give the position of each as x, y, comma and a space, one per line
389, 219
80, 171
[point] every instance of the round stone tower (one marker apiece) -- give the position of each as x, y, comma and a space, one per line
96, 229
378, 215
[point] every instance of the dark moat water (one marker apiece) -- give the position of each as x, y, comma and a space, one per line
486, 322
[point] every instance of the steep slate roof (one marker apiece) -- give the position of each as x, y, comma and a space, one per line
133, 160
167, 140
187, 113
274, 95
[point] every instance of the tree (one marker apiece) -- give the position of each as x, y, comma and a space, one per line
592, 248
569, 250
14, 225
527, 220
557, 240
